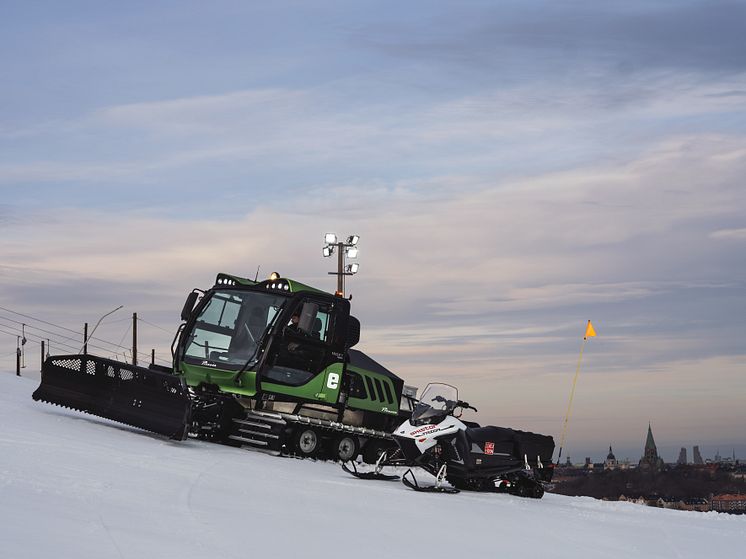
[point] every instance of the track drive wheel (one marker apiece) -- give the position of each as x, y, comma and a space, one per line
345, 447
529, 488
307, 442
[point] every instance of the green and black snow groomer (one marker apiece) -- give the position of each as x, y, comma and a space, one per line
267, 364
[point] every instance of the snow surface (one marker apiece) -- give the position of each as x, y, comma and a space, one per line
73, 485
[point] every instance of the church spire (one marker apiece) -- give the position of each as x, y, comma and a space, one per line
650, 442
650, 456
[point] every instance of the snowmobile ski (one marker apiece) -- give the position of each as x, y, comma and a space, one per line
410, 481
374, 474
136, 396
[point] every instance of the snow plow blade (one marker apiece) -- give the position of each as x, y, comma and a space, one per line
136, 396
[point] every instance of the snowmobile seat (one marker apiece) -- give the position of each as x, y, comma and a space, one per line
490, 434
495, 444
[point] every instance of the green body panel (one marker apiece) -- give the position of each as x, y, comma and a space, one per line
296, 286
197, 374
370, 404
321, 388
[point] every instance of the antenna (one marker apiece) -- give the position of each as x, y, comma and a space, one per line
256, 277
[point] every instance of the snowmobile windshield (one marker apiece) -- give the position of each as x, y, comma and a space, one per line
437, 401
231, 326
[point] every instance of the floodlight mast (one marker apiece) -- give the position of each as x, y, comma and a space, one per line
347, 248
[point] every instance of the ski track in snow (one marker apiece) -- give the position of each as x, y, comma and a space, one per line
73, 485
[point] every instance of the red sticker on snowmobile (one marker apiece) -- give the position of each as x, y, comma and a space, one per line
489, 448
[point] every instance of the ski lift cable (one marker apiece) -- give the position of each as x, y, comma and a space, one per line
58, 334
52, 335
37, 328
125, 334
75, 349
116, 320
39, 320
154, 325
15, 335
40, 339
55, 336
57, 326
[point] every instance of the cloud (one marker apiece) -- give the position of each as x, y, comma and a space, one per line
597, 235
729, 234
242, 137
623, 37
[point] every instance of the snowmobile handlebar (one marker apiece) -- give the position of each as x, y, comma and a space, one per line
465, 405
451, 404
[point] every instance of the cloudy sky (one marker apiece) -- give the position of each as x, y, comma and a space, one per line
513, 169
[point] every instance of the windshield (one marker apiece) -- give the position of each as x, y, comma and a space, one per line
437, 401
231, 326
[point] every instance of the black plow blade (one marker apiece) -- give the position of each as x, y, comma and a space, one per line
136, 396
373, 474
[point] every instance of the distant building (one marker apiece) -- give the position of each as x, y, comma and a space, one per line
635, 500
611, 462
697, 457
650, 458
670, 503
729, 503
682, 456
696, 503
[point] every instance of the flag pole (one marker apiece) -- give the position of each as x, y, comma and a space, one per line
589, 332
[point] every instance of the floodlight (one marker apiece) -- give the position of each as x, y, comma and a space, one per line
274, 276
346, 249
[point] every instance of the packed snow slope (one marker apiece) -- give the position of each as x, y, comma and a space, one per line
73, 485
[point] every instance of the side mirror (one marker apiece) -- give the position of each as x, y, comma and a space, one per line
353, 332
186, 312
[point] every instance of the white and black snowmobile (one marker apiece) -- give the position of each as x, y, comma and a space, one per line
462, 453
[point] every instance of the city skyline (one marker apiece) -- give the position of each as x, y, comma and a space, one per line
668, 452
512, 172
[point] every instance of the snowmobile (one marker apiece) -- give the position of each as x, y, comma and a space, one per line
467, 456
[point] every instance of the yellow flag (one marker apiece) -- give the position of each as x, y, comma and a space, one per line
589, 331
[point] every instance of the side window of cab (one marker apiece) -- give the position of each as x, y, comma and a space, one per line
304, 350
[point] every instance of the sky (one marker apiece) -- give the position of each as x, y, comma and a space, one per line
513, 170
